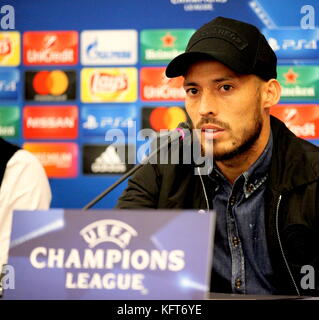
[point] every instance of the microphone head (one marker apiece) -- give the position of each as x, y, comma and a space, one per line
184, 125
181, 129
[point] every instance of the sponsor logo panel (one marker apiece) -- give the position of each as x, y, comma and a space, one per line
299, 82
50, 122
9, 79
96, 121
293, 43
163, 118
301, 119
109, 84
109, 47
10, 122
9, 48
60, 160
161, 46
155, 86
50, 85
108, 159
50, 48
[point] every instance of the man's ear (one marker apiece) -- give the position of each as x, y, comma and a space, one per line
271, 93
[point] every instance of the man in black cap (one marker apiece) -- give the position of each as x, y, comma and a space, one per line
264, 180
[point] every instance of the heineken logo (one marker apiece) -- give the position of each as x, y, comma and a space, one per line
299, 82
163, 45
291, 76
168, 40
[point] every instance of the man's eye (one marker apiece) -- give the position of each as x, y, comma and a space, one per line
191, 91
226, 87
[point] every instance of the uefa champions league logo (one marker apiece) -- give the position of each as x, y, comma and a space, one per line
108, 230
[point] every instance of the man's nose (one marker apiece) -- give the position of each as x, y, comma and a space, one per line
208, 106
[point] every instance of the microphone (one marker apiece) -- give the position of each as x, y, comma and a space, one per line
178, 133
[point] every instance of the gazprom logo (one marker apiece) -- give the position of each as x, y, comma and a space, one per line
113, 47
108, 230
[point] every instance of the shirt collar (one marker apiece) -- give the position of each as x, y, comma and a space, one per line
254, 177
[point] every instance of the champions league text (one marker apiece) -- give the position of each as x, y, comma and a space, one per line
109, 259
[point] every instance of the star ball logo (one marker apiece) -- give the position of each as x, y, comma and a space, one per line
50, 85
114, 231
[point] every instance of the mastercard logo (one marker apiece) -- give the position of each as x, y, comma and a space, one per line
166, 118
54, 82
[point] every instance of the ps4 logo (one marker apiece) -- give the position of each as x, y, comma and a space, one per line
292, 44
7, 17
107, 122
8, 86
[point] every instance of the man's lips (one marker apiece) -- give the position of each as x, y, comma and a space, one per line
211, 131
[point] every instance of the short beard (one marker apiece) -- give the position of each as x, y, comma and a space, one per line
244, 147
249, 140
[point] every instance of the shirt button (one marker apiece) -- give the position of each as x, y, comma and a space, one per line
235, 241
238, 283
232, 200
250, 188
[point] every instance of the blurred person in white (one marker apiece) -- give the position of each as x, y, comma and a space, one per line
23, 186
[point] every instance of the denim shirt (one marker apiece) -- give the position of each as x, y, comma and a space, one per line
240, 251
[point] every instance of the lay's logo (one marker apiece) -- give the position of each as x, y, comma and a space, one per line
9, 48
108, 230
109, 84
5, 47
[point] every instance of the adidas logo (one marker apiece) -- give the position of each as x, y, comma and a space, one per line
108, 161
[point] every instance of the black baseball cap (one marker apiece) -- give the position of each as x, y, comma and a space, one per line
238, 45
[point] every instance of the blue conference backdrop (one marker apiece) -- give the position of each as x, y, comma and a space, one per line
72, 70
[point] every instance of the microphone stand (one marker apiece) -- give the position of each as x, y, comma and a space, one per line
178, 134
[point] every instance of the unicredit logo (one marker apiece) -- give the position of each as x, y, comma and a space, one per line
290, 114
49, 41
50, 82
